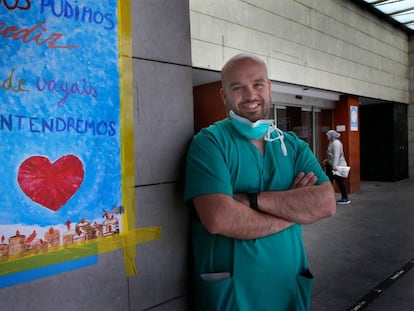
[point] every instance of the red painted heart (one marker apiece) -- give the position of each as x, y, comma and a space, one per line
50, 184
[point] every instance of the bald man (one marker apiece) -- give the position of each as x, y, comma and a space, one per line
252, 187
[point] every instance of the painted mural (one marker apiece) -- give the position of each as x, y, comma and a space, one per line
60, 150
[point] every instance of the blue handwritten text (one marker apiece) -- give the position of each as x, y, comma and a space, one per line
70, 10
57, 125
59, 86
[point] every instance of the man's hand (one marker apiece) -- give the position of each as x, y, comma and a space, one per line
303, 180
305, 202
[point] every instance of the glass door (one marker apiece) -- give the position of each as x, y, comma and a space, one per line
309, 124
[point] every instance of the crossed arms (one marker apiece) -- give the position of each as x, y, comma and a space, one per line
303, 203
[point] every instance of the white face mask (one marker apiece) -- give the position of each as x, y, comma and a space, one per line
258, 129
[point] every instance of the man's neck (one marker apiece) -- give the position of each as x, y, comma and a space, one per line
259, 143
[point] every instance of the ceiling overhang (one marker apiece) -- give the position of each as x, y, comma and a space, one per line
400, 13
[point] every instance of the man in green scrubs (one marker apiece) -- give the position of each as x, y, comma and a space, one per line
252, 186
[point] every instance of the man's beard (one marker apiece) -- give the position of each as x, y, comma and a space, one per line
264, 113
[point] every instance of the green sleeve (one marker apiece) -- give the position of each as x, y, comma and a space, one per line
206, 170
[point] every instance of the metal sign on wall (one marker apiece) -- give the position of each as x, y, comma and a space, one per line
60, 128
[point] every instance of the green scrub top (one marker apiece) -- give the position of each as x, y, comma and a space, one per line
269, 273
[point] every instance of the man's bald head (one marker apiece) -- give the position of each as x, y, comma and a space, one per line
235, 60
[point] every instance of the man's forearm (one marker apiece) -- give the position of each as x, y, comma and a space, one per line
253, 225
221, 214
301, 205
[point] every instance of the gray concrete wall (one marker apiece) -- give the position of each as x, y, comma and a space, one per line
163, 113
163, 129
330, 44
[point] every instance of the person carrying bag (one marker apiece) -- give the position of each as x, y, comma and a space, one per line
335, 165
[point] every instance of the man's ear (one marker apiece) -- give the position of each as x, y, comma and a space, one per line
223, 95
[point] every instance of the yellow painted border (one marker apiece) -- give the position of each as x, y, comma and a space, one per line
127, 131
130, 235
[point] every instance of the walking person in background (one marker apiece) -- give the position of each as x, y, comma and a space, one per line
335, 158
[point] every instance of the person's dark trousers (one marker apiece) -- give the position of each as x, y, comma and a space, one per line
340, 181
328, 171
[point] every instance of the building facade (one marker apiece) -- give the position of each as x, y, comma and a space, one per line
322, 59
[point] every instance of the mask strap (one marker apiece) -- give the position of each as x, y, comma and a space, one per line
273, 128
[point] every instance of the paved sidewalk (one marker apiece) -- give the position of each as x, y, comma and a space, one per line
361, 247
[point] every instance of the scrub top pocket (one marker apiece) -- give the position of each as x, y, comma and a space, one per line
215, 295
304, 290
